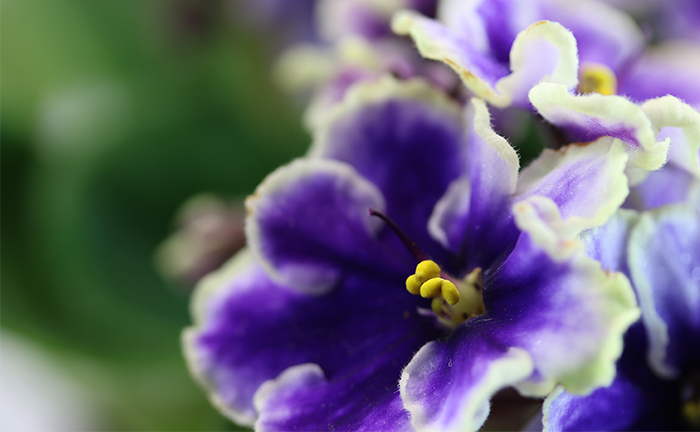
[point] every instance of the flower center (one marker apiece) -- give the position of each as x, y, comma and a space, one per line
690, 399
454, 301
597, 78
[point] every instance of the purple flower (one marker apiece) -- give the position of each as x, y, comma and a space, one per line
313, 327
658, 382
502, 48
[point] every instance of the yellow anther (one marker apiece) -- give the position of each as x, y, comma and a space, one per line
413, 285
426, 270
431, 288
450, 292
436, 305
597, 78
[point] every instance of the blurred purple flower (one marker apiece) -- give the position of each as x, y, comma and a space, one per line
491, 45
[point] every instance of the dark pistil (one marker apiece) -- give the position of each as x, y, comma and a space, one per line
417, 253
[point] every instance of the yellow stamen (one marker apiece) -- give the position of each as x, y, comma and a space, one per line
453, 301
413, 285
450, 292
426, 270
431, 288
597, 78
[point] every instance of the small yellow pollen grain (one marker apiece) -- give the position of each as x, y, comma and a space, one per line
436, 305
450, 292
431, 288
597, 78
426, 270
413, 285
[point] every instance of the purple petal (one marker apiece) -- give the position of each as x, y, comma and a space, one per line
678, 123
408, 140
477, 207
366, 399
587, 182
636, 400
603, 34
664, 259
250, 329
669, 185
551, 44
308, 225
502, 21
447, 385
461, 46
672, 69
562, 308
608, 243
585, 118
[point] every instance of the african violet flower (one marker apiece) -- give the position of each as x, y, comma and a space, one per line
501, 49
657, 248
313, 327
658, 382
543, 73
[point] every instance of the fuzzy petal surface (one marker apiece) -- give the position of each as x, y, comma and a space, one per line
664, 260
308, 225
477, 206
448, 384
586, 181
407, 139
551, 44
559, 305
636, 400
585, 118
249, 330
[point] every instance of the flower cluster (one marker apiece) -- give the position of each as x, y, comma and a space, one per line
408, 268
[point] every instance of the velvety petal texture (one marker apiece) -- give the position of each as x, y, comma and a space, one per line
585, 118
550, 318
657, 249
679, 123
448, 384
552, 300
637, 399
669, 68
608, 243
408, 139
664, 259
477, 206
587, 181
499, 84
604, 35
308, 224
249, 330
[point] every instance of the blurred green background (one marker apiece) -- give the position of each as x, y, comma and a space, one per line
113, 114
